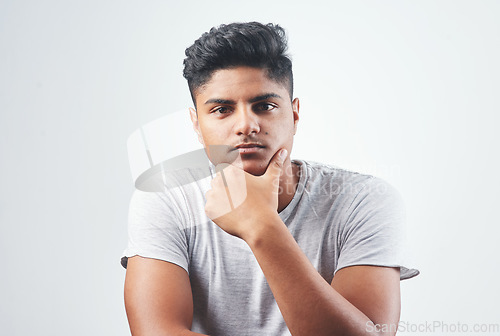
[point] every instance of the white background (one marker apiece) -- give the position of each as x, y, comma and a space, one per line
406, 90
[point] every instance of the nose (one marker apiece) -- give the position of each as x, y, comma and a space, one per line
246, 122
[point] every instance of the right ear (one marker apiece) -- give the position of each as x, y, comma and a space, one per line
196, 125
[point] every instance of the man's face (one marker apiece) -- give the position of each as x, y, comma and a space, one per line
248, 113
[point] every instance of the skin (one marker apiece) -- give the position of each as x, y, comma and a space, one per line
245, 199
230, 111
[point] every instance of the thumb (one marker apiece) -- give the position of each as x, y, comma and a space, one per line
276, 164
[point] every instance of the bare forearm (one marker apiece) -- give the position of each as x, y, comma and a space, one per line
309, 305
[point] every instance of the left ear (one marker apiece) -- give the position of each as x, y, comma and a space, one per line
295, 110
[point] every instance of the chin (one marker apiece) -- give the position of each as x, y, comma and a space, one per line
259, 172
255, 168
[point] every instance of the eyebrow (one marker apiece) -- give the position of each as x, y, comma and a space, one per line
220, 101
252, 100
264, 97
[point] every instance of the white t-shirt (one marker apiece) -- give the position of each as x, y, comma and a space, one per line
339, 218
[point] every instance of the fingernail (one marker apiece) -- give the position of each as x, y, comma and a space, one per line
283, 154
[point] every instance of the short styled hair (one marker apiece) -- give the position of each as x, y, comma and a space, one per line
250, 44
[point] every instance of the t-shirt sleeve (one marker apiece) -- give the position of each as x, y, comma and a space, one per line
156, 229
374, 229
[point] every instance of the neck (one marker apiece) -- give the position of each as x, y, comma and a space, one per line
288, 184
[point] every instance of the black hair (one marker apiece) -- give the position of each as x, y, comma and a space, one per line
250, 44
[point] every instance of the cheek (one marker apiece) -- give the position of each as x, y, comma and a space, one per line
281, 131
216, 141
208, 133
279, 138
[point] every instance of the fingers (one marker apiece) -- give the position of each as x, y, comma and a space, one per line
228, 191
276, 164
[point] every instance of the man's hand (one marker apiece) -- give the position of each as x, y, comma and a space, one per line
238, 201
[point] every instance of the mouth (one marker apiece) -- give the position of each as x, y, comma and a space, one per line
249, 148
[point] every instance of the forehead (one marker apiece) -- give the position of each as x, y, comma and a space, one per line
240, 82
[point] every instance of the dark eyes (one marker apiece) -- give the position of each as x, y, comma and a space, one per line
260, 107
264, 107
221, 110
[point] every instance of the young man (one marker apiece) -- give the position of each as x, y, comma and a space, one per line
268, 246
